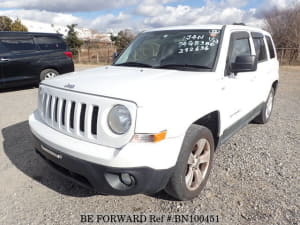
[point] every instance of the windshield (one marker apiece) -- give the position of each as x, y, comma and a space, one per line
173, 49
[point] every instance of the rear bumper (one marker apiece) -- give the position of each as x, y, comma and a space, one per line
104, 179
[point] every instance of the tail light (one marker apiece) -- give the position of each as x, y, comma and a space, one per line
69, 54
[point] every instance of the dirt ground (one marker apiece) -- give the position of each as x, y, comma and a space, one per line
255, 178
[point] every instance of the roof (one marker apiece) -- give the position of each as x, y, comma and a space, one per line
188, 27
14, 33
210, 27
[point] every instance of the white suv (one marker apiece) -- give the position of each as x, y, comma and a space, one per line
154, 118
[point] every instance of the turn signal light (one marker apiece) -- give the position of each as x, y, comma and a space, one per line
150, 137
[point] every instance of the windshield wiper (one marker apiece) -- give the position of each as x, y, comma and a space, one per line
136, 64
182, 66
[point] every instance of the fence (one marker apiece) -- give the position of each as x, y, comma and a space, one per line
95, 52
288, 56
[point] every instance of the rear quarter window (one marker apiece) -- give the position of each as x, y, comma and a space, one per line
260, 48
271, 47
19, 45
51, 43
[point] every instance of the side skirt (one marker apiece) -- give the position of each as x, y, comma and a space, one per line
233, 129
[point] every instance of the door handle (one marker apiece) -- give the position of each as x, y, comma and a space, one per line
4, 59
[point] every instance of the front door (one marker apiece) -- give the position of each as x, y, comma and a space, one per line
237, 88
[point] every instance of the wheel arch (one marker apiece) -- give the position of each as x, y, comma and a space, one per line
275, 85
212, 122
50, 67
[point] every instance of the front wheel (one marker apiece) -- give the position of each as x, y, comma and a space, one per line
194, 164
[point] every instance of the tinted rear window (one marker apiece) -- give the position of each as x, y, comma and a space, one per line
51, 43
271, 47
260, 48
18, 45
2, 49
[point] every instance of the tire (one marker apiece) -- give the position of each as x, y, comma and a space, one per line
267, 109
48, 74
186, 182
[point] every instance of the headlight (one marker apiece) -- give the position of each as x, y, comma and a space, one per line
119, 119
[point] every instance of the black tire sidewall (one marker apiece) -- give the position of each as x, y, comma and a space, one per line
177, 186
44, 73
265, 119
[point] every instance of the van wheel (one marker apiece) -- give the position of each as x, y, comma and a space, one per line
194, 164
48, 74
267, 109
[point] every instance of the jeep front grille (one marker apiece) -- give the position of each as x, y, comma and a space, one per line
82, 116
70, 116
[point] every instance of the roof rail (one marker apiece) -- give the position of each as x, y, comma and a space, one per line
240, 24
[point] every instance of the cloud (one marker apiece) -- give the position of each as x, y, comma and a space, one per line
209, 14
283, 3
66, 5
110, 22
146, 14
43, 16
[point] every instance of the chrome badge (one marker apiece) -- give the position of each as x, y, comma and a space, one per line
71, 86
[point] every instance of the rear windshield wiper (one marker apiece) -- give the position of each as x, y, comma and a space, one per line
135, 64
182, 66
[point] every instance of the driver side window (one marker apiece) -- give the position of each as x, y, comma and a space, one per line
240, 47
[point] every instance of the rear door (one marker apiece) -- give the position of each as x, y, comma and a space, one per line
19, 65
262, 81
52, 53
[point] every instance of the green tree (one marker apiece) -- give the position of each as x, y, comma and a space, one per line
123, 39
72, 39
5, 23
18, 26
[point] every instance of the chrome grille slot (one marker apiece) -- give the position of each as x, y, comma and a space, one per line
82, 117
55, 109
72, 112
50, 108
63, 112
94, 120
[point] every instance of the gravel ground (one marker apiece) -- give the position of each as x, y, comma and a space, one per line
255, 178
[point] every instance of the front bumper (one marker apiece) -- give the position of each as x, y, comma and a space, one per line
106, 180
159, 156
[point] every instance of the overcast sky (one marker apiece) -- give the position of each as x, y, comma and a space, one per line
104, 15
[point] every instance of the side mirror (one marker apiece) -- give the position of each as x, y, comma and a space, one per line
244, 63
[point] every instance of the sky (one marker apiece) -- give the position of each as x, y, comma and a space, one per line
108, 15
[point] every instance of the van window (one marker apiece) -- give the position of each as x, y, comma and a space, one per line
271, 47
240, 47
50, 43
260, 48
19, 45
2, 49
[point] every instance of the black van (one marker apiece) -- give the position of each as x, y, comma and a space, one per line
28, 58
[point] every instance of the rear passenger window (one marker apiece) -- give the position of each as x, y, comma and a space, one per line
50, 43
19, 45
260, 48
2, 49
240, 47
271, 47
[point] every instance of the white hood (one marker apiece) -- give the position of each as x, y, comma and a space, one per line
132, 83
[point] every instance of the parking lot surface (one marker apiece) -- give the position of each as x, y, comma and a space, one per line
255, 178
